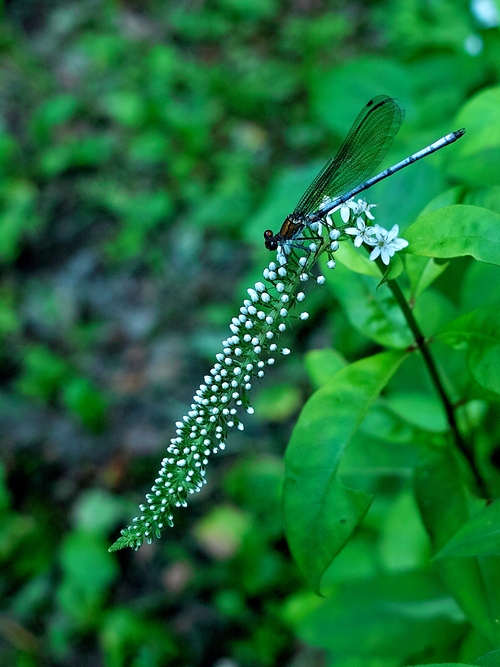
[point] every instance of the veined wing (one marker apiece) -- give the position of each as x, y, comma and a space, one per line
362, 151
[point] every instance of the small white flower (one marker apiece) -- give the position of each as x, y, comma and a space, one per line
346, 209
362, 232
386, 243
368, 212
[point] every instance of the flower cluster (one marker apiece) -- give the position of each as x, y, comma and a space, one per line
251, 348
246, 353
384, 242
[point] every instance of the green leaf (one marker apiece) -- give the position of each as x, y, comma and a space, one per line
484, 197
445, 506
320, 513
473, 295
356, 260
390, 615
480, 535
404, 543
433, 310
491, 659
422, 272
479, 333
477, 155
455, 231
445, 198
394, 269
322, 364
371, 311
420, 409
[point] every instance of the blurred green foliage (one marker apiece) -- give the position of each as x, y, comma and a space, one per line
144, 148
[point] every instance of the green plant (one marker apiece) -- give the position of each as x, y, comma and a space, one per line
441, 423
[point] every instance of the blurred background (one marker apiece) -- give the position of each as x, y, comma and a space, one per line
144, 148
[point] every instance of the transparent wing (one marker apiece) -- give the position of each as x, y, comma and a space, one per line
362, 151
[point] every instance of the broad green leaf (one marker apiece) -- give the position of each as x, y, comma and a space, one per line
419, 409
479, 333
477, 155
370, 456
383, 423
445, 506
395, 269
322, 364
484, 197
446, 198
356, 260
320, 513
422, 272
404, 543
473, 292
371, 311
491, 659
455, 231
433, 310
480, 535
390, 615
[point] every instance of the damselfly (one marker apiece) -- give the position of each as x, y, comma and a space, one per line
344, 176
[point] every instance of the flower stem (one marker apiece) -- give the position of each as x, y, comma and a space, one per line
436, 379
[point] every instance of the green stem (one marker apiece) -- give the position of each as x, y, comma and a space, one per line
435, 378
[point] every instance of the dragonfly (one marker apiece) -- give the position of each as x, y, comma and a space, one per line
347, 174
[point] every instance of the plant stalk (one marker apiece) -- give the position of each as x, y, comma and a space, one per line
436, 379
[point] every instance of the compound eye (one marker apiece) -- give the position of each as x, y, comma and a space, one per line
270, 241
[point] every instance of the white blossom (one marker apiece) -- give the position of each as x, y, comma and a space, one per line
386, 243
363, 233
